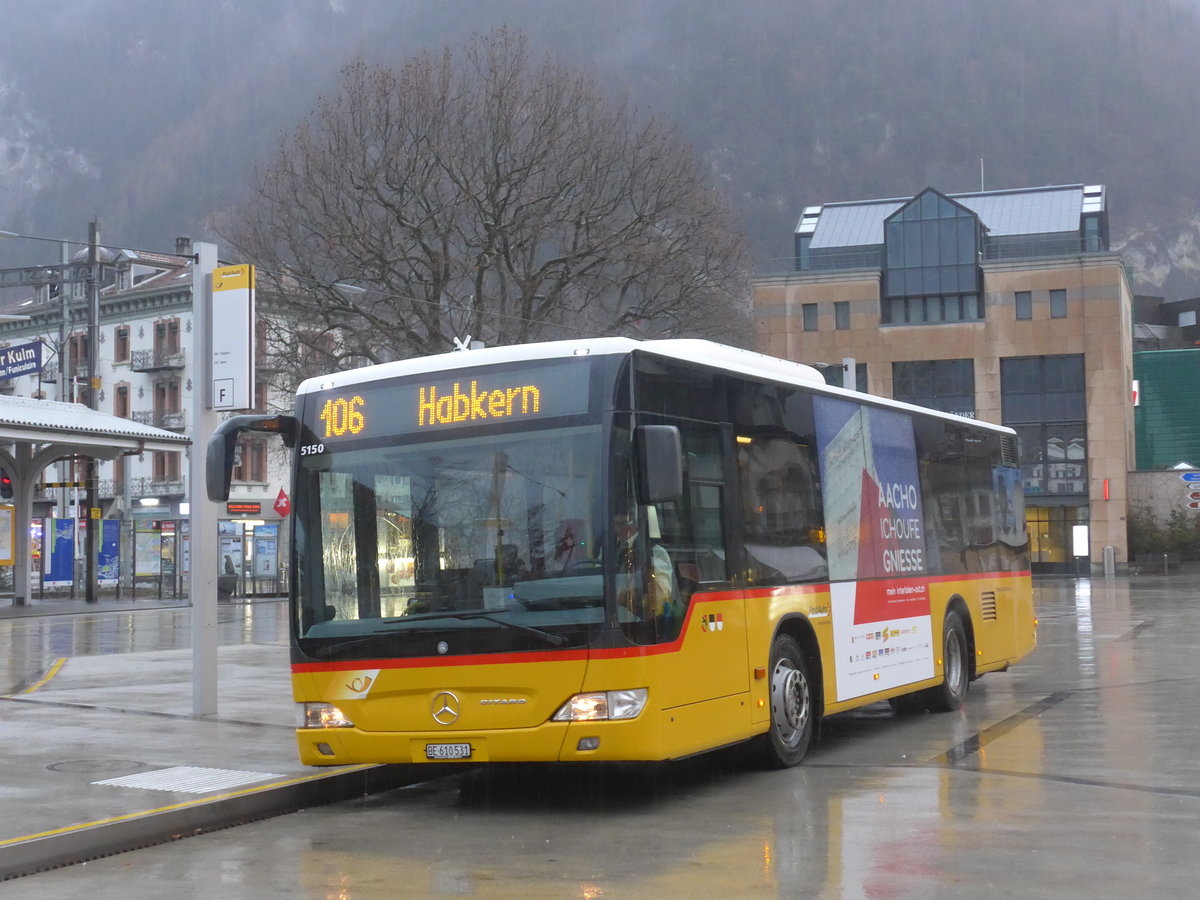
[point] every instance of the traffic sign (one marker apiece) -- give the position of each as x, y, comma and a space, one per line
1190, 476
1194, 504
1194, 495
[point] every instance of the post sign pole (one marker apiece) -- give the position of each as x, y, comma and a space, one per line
202, 514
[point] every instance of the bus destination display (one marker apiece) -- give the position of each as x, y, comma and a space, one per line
418, 405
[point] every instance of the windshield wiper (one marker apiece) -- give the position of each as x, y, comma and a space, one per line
368, 638
556, 640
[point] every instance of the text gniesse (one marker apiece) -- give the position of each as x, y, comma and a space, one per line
457, 407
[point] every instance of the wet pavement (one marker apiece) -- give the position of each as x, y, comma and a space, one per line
1073, 774
101, 750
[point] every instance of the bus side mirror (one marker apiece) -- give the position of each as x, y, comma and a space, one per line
222, 448
659, 460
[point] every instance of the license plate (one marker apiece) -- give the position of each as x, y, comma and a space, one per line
447, 751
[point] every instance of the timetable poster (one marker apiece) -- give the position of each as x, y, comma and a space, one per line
108, 553
874, 524
59, 558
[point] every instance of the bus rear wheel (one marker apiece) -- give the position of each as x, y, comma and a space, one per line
790, 734
956, 666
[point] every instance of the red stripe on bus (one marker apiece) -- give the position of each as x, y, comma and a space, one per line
584, 653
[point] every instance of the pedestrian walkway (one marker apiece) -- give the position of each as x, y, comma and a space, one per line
103, 754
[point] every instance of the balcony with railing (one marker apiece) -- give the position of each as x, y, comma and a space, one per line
147, 486
171, 420
155, 360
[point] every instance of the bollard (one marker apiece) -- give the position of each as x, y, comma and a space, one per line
1110, 560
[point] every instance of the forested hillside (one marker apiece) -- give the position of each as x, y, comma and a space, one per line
152, 116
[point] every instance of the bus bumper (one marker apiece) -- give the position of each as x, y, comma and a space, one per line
555, 741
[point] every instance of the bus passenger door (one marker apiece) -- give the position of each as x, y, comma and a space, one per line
708, 657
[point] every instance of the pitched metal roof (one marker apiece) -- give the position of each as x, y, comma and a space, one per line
85, 430
1042, 210
853, 224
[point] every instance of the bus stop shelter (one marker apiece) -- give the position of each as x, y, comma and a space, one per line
36, 433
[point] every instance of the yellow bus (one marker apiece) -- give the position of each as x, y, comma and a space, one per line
632, 550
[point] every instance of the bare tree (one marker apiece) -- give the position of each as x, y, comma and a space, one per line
488, 196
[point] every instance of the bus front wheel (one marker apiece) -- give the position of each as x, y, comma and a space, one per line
790, 734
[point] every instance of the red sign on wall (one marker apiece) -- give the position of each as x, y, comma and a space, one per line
283, 505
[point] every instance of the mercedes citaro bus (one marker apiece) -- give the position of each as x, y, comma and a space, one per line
631, 550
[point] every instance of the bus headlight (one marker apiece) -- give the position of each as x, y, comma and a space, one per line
600, 705
321, 715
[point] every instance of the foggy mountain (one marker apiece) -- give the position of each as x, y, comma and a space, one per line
152, 116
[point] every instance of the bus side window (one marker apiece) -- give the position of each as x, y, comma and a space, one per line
782, 514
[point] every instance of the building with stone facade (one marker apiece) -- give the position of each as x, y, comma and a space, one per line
145, 367
1007, 306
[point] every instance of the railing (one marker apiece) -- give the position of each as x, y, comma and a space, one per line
819, 259
1041, 245
151, 487
172, 420
155, 360
169, 419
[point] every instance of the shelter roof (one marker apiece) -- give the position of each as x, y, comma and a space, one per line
79, 428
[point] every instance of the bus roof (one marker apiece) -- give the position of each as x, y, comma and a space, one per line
693, 350
688, 349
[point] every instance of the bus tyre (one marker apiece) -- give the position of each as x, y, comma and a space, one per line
787, 740
956, 666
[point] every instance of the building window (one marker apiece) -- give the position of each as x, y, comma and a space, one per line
121, 400
841, 315
166, 338
166, 466
931, 262
1042, 389
804, 252
1024, 304
945, 384
121, 344
1043, 398
809, 312
252, 462
925, 310
167, 412
77, 353
1058, 304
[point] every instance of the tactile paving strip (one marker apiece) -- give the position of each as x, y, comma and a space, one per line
188, 779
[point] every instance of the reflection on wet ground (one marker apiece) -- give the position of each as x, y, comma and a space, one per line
33, 643
1073, 774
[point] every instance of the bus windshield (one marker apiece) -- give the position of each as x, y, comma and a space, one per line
491, 539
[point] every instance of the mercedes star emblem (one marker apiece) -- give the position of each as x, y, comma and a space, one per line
445, 708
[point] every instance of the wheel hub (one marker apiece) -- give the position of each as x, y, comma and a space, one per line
790, 701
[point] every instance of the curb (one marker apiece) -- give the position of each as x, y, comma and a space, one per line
94, 840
